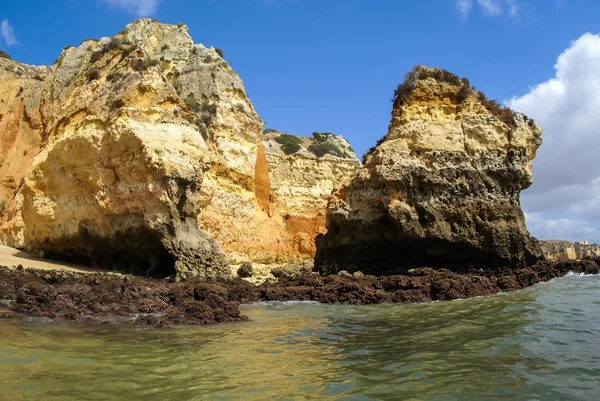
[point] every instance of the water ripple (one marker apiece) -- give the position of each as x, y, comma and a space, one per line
537, 344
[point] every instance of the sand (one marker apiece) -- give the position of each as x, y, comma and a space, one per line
14, 257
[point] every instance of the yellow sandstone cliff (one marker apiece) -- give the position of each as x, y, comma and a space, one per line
143, 153
441, 189
560, 250
303, 180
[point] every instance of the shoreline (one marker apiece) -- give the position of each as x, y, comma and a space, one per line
94, 297
14, 257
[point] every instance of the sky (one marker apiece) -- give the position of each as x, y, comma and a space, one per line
332, 65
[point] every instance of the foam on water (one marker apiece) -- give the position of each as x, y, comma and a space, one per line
571, 274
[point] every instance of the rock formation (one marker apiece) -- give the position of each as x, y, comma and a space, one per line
143, 153
440, 190
118, 174
559, 250
303, 180
20, 121
587, 251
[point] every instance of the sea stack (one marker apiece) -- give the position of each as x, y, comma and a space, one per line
440, 190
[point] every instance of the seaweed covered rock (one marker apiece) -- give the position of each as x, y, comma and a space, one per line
441, 189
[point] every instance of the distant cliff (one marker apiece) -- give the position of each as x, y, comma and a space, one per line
441, 189
560, 250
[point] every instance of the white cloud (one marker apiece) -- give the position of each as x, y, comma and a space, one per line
7, 33
489, 8
571, 230
141, 8
566, 188
513, 8
464, 7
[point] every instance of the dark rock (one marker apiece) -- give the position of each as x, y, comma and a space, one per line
245, 270
97, 298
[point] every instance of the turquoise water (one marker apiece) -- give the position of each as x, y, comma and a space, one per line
536, 344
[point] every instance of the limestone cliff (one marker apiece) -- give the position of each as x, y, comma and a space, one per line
585, 251
116, 180
20, 121
564, 250
142, 152
303, 173
441, 189
558, 250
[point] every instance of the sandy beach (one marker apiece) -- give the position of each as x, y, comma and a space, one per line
14, 257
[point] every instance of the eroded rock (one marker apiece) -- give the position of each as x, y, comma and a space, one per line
560, 250
440, 190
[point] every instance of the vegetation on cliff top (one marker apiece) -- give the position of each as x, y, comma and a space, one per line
289, 143
419, 73
4, 54
322, 145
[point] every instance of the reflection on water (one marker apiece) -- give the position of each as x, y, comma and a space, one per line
535, 344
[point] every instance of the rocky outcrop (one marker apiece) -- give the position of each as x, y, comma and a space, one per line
303, 180
121, 163
440, 190
587, 251
109, 298
559, 250
130, 127
143, 153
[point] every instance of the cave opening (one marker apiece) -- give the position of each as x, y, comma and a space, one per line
136, 250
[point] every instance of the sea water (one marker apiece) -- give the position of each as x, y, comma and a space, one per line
537, 344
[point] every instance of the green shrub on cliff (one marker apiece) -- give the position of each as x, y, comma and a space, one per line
289, 143
111, 45
192, 103
2, 205
4, 54
219, 52
420, 72
321, 149
463, 93
321, 136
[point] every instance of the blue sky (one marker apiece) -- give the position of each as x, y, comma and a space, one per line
332, 65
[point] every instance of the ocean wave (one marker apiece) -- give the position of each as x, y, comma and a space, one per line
282, 303
572, 274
